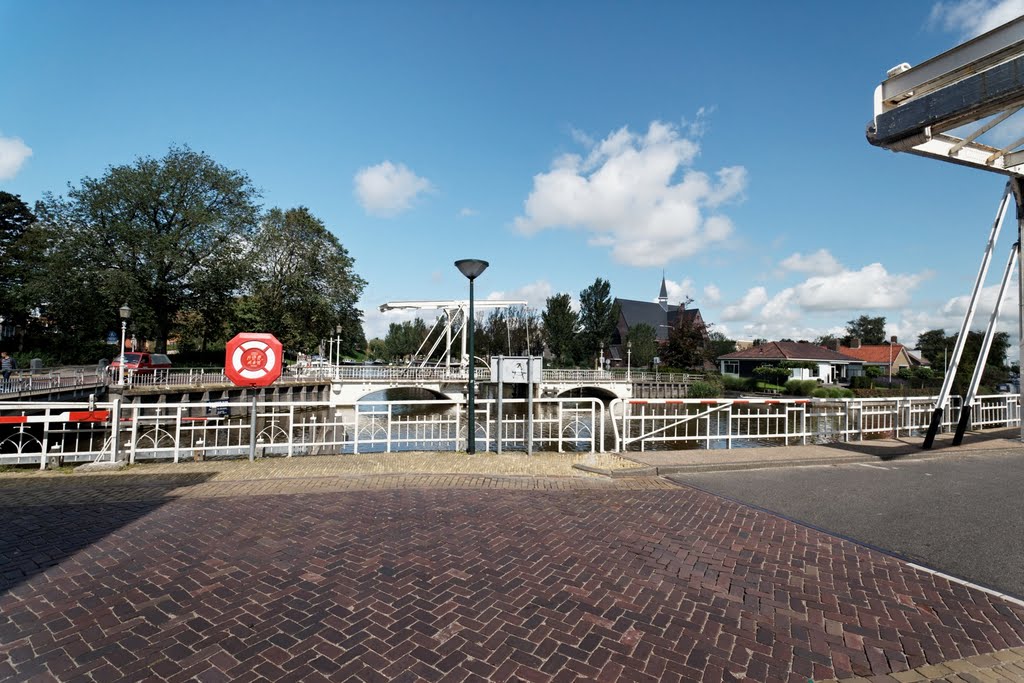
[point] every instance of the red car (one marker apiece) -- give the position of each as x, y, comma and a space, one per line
142, 363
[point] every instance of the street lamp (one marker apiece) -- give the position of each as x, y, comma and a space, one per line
472, 268
337, 331
125, 314
600, 356
629, 359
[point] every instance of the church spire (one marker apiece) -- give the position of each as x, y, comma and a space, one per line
663, 296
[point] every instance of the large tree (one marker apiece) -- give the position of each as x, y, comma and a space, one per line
598, 316
15, 219
162, 235
935, 346
718, 345
560, 327
938, 348
687, 344
404, 339
870, 330
643, 341
303, 285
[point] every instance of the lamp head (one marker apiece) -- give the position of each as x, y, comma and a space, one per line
125, 312
471, 267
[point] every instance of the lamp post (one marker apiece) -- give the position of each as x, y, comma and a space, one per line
600, 356
126, 313
629, 360
337, 331
472, 269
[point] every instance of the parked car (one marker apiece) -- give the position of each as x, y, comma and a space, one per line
142, 363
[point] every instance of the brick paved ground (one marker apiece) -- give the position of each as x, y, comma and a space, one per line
610, 581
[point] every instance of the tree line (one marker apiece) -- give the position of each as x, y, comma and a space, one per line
572, 337
184, 242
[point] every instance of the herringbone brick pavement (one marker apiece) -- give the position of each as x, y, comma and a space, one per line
466, 584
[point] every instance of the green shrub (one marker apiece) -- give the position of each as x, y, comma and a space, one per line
801, 387
733, 383
831, 392
704, 390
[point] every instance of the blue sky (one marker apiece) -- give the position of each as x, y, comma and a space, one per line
560, 141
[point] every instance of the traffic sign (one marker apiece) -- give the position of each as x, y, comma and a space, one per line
253, 359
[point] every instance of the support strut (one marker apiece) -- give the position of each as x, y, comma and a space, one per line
961, 340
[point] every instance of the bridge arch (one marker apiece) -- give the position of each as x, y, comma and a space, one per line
584, 391
417, 393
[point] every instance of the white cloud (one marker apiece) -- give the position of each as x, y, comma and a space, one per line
820, 262
13, 154
467, 212
871, 287
535, 294
678, 291
637, 195
745, 307
387, 189
712, 294
971, 18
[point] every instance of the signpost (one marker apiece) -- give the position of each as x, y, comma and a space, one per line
518, 370
253, 359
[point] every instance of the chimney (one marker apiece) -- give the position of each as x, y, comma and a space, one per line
892, 340
833, 345
855, 343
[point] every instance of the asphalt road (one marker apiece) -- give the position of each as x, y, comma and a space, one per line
959, 514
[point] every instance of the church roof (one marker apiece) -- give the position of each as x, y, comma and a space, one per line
651, 313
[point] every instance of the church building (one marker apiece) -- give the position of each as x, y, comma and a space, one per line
660, 315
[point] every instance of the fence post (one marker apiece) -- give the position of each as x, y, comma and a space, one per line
136, 409
177, 434
291, 430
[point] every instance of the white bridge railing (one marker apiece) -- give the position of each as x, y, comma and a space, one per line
728, 423
391, 374
38, 432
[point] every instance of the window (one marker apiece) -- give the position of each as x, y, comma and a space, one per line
731, 367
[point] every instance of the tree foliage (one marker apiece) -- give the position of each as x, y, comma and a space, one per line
404, 339
514, 331
160, 234
303, 286
687, 344
719, 344
560, 327
644, 339
870, 330
938, 348
598, 316
15, 220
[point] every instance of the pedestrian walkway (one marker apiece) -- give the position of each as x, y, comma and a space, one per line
458, 568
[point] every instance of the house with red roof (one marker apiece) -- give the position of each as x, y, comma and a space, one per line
821, 363
890, 357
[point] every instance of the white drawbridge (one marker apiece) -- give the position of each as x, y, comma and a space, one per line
452, 322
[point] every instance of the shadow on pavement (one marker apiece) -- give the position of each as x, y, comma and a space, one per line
45, 520
892, 449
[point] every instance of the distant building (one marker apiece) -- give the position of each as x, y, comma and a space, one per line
823, 364
889, 358
660, 315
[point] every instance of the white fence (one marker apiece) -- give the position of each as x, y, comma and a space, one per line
23, 381
729, 423
197, 377
36, 432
